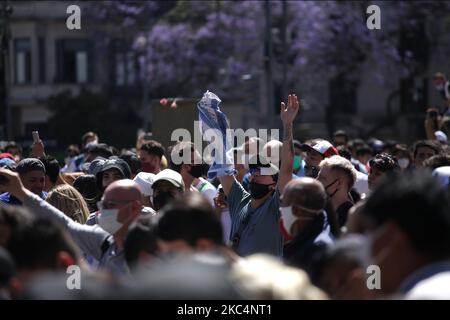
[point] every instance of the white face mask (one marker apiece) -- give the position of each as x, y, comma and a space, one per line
440, 87
287, 219
403, 163
107, 220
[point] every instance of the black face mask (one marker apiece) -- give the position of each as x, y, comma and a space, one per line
258, 190
162, 199
197, 170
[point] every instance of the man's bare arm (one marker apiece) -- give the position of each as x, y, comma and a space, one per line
287, 114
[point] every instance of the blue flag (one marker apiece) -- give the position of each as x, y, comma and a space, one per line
215, 124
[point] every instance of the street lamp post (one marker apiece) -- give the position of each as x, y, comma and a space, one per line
5, 34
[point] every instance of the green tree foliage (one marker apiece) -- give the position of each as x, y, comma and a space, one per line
72, 116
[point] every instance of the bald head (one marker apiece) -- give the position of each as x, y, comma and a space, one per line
305, 192
121, 190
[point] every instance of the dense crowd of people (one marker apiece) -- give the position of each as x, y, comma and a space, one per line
289, 219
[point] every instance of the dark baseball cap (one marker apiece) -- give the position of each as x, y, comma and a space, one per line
118, 164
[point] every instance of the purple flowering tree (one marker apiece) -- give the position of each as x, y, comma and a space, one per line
193, 45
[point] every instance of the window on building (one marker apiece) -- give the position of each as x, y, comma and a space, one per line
42, 60
22, 58
74, 61
125, 65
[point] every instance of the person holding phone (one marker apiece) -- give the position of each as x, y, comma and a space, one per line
37, 148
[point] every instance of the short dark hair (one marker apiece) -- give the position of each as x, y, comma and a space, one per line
37, 244
384, 162
354, 144
29, 164
344, 152
419, 205
363, 149
341, 133
189, 218
153, 147
426, 143
14, 217
439, 160
73, 150
12, 145
389, 145
141, 237
51, 167
399, 148
133, 161
348, 251
100, 150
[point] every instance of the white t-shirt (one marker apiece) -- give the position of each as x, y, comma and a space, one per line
361, 184
225, 219
206, 189
436, 287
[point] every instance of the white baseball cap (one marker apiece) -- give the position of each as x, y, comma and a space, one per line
324, 147
440, 136
169, 175
443, 175
145, 182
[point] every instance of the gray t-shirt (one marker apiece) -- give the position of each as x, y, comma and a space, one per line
262, 232
89, 238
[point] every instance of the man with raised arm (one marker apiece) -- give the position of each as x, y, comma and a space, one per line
255, 216
119, 207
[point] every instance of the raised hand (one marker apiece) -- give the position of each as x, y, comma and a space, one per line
11, 183
289, 112
38, 149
